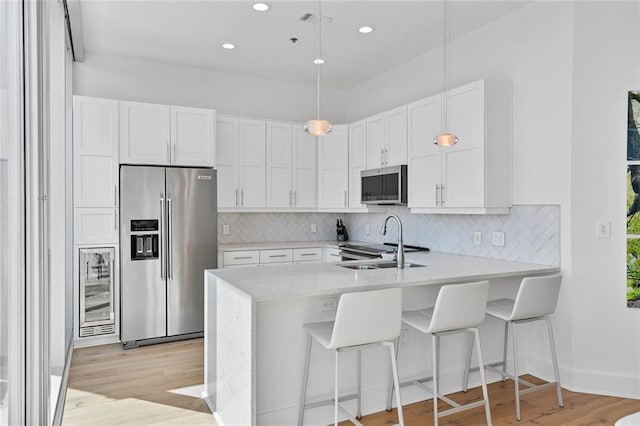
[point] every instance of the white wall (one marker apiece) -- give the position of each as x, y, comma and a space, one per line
138, 80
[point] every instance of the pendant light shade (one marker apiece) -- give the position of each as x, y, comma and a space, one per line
446, 138
318, 127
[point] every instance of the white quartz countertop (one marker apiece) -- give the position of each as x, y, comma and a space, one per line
319, 279
277, 245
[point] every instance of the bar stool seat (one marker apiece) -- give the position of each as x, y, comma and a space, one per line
363, 320
536, 299
458, 308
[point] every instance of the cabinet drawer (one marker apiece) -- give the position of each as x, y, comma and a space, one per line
307, 254
96, 226
276, 256
241, 257
331, 254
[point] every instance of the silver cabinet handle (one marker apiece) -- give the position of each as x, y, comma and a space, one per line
437, 195
242, 257
290, 198
162, 237
443, 195
174, 153
310, 254
115, 195
236, 197
295, 198
277, 255
381, 157
112, 307
346, 201
169, 241
168, 153
242, 197
115, 218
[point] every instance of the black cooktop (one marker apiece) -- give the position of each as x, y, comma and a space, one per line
382, 248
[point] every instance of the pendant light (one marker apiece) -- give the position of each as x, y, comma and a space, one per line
446, 138
318, 127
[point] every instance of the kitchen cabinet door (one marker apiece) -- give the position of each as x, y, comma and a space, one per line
227, 157
192, 136
333, 169
376, 140
463, 164
145, 136
252, 175
96, 226
357, 162
395, 152
304, 168
95, 151
279, 158
425, 158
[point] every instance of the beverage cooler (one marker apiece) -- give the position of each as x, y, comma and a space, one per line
97, 314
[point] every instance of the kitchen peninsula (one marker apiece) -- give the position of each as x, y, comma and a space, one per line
255, 344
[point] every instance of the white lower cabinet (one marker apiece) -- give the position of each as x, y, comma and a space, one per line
268, 257
313, 254
241, 258
276, 256
331, 254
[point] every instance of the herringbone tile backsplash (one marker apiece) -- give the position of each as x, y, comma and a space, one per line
532, 232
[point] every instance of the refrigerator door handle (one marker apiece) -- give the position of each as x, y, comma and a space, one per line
162, 237
169, 242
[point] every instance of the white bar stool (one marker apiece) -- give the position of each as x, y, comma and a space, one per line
536, 299
459, 308
363, 320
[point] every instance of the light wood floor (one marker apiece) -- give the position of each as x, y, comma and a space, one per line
109, 386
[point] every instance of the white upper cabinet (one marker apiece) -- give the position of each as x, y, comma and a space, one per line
166, 135
192, 136
279, 158
252, 150
240, 157
95, 141
333, 169
387, 138
304, 162
227, 161
473, 176
145, 133
357, 162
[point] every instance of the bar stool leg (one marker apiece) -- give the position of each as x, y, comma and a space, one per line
483, 379
396, 381
436, 366
335, 407
359, 409
390, 395
305, 381
504, 354
515, 370
556, 370
465, 380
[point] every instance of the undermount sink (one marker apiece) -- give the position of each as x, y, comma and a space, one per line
379, 265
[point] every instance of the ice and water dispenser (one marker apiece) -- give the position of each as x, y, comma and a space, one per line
145, 239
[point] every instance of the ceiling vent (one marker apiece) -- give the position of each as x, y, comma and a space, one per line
310, 18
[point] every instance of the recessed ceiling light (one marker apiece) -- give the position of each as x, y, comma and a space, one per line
261, 7
228, 46
318, 61
365, 30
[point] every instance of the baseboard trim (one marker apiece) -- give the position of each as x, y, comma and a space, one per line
62, 395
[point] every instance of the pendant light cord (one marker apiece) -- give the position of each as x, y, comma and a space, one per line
318, 35
446, 63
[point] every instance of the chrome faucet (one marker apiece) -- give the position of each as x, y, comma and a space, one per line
400, 252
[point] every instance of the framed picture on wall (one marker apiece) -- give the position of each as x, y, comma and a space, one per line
633, 199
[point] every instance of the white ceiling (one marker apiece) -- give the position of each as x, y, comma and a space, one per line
190, 33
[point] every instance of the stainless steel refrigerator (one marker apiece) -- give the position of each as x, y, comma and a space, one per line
168, 238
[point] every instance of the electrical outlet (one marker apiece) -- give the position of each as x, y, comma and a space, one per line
328, 304
225, 229
498, 239
404, 336
603, 229
314, 228
477, 238
367, 229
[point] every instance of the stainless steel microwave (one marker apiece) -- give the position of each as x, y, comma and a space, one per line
387, 185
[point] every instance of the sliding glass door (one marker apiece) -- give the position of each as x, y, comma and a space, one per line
12, 211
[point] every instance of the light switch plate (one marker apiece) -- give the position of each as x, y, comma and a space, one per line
314, 228
603, 229
328, 304
498, 239
477, 238
225, 229
367, 229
